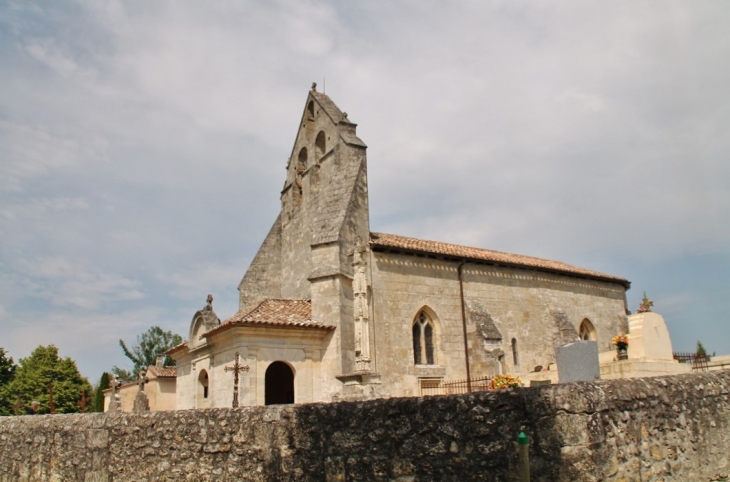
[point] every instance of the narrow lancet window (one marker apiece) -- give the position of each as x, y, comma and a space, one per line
423, 352
417, 344
587, 331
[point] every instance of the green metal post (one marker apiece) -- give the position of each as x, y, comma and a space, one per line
524, 457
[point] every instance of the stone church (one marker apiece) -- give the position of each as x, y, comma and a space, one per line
330, 310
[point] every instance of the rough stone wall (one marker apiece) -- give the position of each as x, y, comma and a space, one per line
318, 194
500, 302
658, 429
525, 304
263, 277
402, 286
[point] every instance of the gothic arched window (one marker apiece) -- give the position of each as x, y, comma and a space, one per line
586, 330
423, 339
321, 143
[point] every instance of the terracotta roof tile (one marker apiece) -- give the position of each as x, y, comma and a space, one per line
165, 372
392, 241
176, 348
276, 313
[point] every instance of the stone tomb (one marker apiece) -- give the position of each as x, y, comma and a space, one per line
578, 362
650, 351
649, 337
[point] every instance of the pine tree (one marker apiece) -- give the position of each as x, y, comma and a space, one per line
98, 403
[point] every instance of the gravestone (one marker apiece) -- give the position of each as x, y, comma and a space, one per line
578, 362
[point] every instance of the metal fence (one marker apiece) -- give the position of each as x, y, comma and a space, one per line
698, 362
454, 387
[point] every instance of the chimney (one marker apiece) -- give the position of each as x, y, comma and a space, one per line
160, 362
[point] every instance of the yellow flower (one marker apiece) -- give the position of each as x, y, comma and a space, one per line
504, 381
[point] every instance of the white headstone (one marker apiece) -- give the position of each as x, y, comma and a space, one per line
649, 338
578, 362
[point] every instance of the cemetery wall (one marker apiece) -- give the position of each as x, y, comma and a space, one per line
653, 429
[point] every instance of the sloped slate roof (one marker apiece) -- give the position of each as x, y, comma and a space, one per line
276, 313
392, 241
329, 106
337, 116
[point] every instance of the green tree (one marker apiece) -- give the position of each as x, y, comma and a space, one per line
124, 375
98, 402
150, 344
7, 373
700, 349
42, 368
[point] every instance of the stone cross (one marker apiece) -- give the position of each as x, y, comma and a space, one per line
115, 383
141, 380
141, 403
83, 400
114, 402
236, 369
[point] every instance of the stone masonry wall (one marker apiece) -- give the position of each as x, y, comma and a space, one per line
520, 304
659, 429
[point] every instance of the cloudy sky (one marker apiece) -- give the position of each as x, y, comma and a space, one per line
143, 146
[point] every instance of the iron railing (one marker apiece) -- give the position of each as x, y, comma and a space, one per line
454, 387
699, 362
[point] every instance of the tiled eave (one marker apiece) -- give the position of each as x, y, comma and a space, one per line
263, 324
274, 313
391, 243
177, 348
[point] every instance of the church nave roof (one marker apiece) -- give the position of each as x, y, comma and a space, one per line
395, 242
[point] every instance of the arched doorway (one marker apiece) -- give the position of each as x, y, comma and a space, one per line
279, 384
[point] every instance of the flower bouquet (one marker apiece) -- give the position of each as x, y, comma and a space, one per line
621, 342
504, 381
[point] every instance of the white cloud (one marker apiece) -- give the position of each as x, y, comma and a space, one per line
41, 207
27, 151
46, 52
143, 145
73, 283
